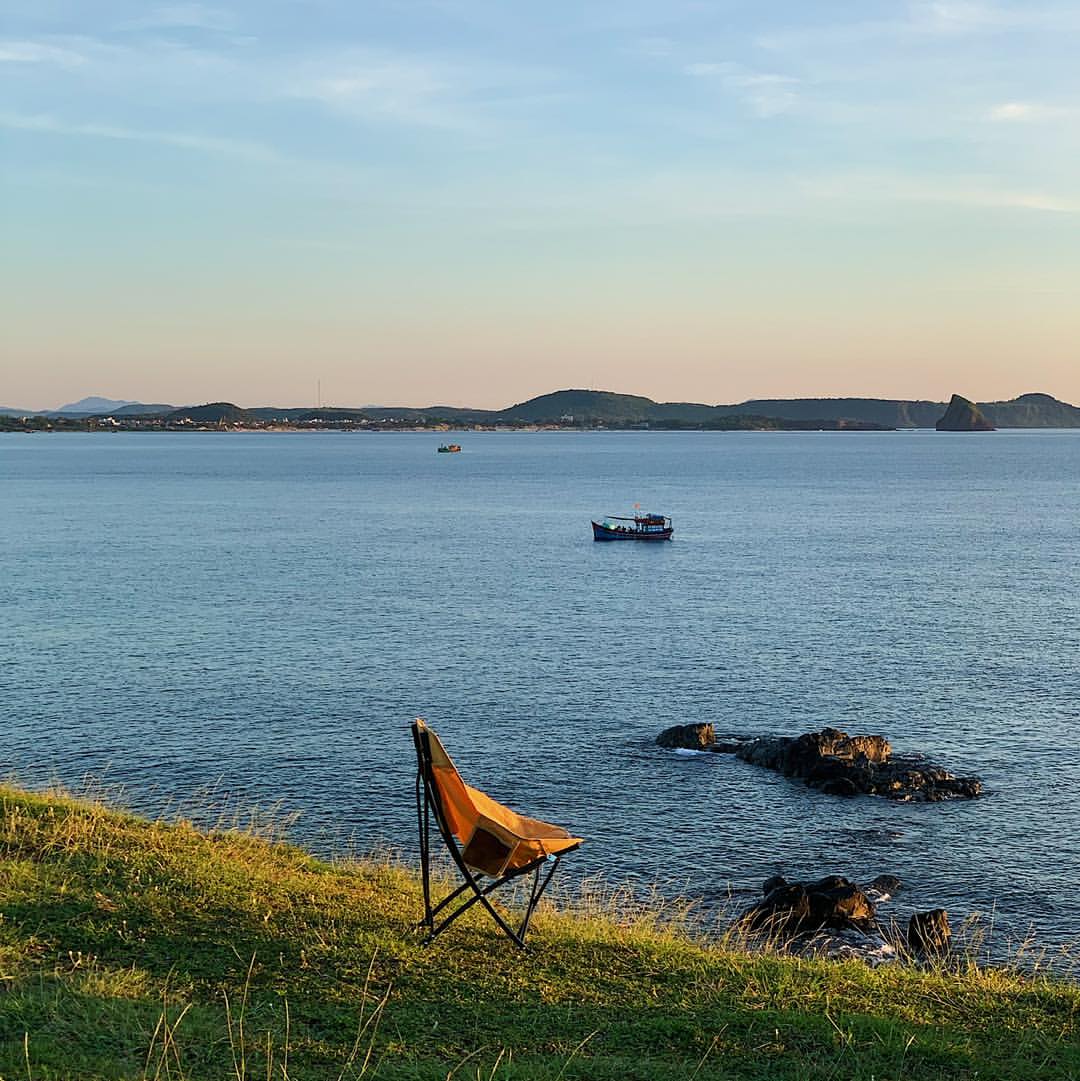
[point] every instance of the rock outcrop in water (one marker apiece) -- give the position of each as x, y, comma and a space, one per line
834, 762
688, 737
929, 934
833, 917
963, 416
828, 917
844, 765
788, 909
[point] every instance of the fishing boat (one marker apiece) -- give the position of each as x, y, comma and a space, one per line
642, 527
450, 448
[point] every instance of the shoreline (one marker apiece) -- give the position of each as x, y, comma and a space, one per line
383, 430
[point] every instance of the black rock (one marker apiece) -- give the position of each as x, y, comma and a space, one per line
929, 934
693, 737
838, 786
889, 884
777, 882
789, 909
963, 416
844, 765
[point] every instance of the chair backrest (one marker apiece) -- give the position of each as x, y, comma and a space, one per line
448, 792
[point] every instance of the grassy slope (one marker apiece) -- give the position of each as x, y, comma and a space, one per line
134, 949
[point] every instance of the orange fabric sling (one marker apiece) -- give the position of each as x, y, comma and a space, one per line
495, 839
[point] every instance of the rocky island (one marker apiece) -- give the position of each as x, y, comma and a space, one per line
963, 416
834, 762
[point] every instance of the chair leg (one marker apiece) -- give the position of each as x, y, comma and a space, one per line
481, 894
537, 892
492, 912
423, 815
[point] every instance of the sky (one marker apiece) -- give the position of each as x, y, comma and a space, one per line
472, 202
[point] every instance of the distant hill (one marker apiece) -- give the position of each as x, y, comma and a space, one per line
893, 413
1031, 411
94, 405
212, 413
605, 407
114, 407
585, 406
140, 409
1027, 411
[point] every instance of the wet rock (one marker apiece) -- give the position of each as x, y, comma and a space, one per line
766, 751
789, 909
724, 745
884, 885
840, 786
844, 765
691, 737
929, 934
833, 762
777, 882
829, 917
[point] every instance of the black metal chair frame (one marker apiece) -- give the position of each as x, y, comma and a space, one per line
428, 805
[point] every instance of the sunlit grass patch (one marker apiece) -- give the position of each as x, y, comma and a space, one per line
143, 949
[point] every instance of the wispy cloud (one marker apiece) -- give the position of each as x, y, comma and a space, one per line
942, 19
970, 192
766, 93
398, 89
965, 17
412, 89
38, 52
1031, 112
955, 17
183, 17
210, 144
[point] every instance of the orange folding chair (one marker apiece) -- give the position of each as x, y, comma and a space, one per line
490, 844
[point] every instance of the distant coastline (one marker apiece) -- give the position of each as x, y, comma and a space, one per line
561, 410
30, 425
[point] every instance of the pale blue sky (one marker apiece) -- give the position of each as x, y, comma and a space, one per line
474, 202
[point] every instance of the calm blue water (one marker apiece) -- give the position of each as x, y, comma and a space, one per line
265, 613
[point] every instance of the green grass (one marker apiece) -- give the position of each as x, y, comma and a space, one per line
139, 949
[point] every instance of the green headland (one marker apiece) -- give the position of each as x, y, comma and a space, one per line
135, 949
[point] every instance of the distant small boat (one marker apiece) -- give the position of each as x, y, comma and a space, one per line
642, 527
450, 448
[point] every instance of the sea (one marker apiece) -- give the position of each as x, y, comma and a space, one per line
213, 623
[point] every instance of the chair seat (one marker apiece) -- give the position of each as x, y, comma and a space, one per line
487, 828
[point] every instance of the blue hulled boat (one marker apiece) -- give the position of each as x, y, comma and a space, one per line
642, 527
